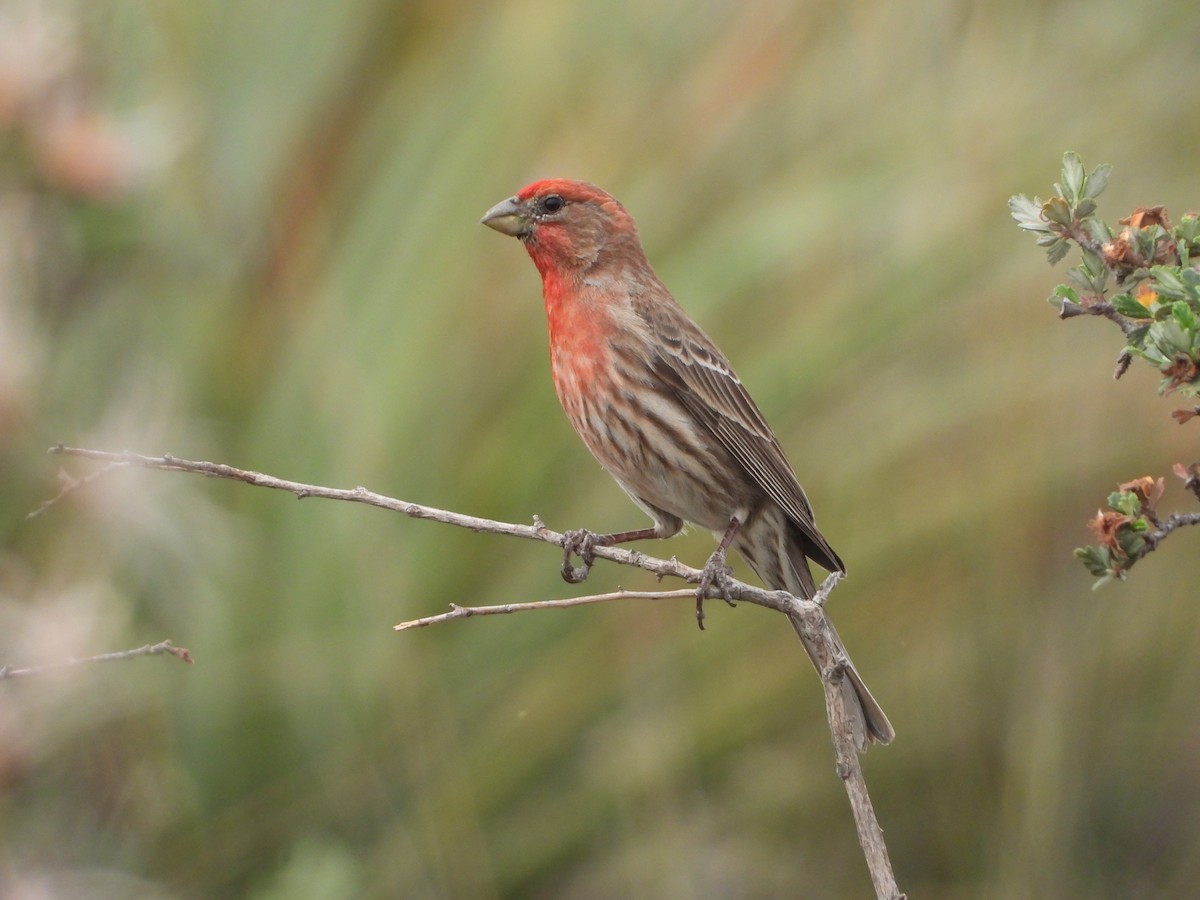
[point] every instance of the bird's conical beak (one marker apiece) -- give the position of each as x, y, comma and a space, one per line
507, 217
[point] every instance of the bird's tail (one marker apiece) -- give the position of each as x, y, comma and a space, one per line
777, 555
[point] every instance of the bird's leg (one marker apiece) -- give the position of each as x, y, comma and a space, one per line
582, 543
716, 573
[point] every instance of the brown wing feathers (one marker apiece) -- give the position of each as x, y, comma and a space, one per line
707, 385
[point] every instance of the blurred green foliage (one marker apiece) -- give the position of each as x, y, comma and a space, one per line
249, 232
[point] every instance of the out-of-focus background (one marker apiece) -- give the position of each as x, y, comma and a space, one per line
248, 232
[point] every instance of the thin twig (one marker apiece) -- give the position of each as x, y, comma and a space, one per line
1108, 311
849, 769
1175, 520
663, 568
1084, 239
71, 484
466, 612
807, 616
159, 649
1069, 310
807, 621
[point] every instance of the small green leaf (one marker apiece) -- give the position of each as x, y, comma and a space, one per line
1027, 213
1056, 252
1145, 240
1148, 350
1169, 338
1125, 502
1057, 210
1078, 276
1127, 306
1073, 175
1095, 559
1097, 181
1188, 228
1084, 208
1099, 230
1067, 293
1132, 543
1168, 282
1184, 316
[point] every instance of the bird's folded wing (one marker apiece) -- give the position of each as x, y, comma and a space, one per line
708, 387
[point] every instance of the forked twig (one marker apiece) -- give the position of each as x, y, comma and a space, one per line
807, 616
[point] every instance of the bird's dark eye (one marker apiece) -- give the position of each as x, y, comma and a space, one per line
553, 203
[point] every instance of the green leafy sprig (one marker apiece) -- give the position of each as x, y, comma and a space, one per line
1141, 275
1144, 277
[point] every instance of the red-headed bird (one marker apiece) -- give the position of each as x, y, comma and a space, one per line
660, 407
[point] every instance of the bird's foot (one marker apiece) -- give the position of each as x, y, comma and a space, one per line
715, 574
581, 543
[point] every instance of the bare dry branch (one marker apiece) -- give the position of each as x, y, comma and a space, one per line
777, 600
807, 616
1069, 310
465, 612
809, 621
71, 484
1084, 239
1175, 520
160, 649
849, 769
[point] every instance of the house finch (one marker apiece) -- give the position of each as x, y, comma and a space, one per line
660, 407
